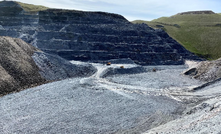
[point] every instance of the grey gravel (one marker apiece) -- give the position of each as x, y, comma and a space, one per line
94, 104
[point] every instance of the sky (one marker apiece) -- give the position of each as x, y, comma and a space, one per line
133, 9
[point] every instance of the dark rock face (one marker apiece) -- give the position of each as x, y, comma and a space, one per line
94, 37
12, 14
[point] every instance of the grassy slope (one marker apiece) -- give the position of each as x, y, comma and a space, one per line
199, 34
32, 8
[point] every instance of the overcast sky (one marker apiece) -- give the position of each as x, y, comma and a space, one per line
133, 9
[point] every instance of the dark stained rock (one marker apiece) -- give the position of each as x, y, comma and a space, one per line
93, 37
192, 71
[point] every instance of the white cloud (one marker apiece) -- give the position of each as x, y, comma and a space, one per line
131, 9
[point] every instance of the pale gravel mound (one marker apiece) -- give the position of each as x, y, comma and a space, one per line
204, 118
206, 71
17, 68
53, 67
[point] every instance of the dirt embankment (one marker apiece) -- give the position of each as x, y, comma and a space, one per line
17, 68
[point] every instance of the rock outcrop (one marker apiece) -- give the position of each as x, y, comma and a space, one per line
206, 71
91, 36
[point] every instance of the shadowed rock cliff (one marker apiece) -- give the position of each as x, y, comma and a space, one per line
92, 36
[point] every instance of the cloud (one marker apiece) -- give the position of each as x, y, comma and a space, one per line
131, 9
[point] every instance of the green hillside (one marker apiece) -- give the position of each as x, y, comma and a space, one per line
32, 8
199, 33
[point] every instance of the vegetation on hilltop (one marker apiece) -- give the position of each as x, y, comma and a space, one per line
198, 33
32, 8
